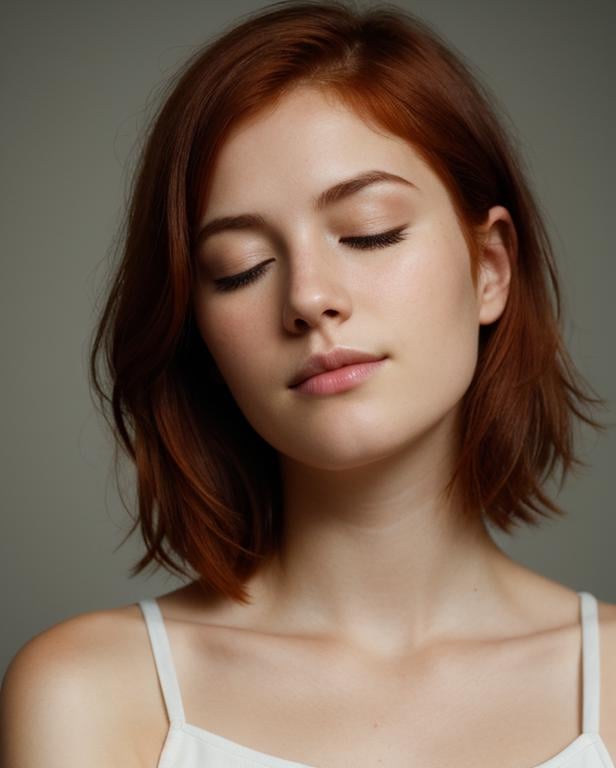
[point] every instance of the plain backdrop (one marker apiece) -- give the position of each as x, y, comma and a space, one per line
78, 83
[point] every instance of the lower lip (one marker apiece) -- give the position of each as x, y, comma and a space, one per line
340, 380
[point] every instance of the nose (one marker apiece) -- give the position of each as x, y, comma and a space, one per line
312, 295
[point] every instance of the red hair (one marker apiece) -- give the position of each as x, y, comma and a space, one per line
208, 485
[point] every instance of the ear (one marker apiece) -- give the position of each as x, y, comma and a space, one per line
499, 248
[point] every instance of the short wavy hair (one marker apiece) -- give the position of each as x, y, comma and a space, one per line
208, 486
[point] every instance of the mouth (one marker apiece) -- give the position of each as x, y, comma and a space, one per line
337, 358
339, 379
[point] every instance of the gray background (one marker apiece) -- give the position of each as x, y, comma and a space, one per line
78, 82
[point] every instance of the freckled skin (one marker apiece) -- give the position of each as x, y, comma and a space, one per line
362, 469
413, 301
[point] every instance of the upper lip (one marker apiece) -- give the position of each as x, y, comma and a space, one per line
329, 361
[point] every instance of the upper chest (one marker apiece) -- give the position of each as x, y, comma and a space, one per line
508, 704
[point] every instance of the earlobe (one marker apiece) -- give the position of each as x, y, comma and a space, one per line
498, 255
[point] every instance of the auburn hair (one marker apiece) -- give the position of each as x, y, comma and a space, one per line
208, 486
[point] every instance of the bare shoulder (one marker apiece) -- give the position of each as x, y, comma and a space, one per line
607, 639
59, 696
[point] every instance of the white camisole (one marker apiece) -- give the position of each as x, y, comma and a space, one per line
188, 746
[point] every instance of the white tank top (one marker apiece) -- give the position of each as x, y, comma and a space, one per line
188, 746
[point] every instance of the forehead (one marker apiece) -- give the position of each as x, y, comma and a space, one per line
304, 143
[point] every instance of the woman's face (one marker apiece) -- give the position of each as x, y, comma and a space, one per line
412, 301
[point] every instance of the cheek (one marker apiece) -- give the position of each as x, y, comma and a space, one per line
430, 307
231, 333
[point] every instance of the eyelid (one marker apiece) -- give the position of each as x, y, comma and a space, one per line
389, 237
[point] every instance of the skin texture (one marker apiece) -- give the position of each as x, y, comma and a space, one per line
373, 553
395, 633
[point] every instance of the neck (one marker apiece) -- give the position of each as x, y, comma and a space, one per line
375, 557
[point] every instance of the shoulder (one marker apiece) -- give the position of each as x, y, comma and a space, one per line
60, 687
607, 646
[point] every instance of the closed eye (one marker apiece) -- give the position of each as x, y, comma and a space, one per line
381, 240
364, 242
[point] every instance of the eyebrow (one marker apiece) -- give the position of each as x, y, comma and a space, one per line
327, 198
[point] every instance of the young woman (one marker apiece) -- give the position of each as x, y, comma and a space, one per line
333, 359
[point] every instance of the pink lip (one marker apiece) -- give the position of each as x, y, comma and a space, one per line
337, 357
338, 380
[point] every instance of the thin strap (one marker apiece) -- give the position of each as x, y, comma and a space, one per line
159, 640
590, 662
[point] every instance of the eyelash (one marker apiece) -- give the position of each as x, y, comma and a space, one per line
362, 242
